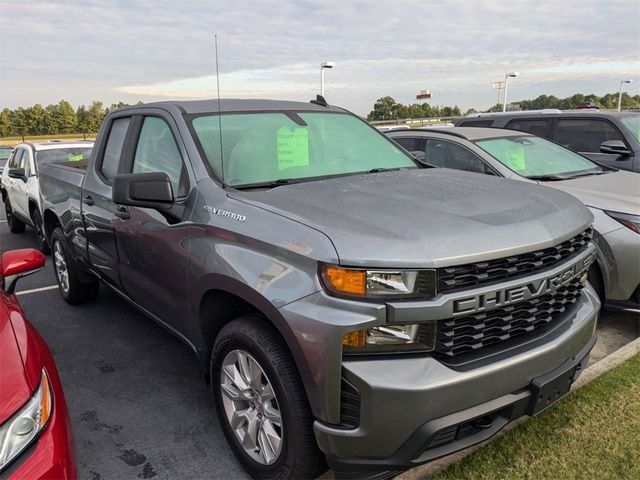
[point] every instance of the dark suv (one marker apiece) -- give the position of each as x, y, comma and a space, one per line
611, 138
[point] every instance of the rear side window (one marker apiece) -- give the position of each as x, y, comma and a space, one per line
585, 135
113, 150
157, 152
540, 128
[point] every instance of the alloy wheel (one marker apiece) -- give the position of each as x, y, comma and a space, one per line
251, 407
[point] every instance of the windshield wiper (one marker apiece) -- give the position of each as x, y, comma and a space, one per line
378, 170
546, 178
272, 184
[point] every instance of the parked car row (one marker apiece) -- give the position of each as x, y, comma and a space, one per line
612, 195
609, 138
350, 305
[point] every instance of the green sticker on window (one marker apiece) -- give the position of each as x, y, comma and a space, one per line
74, 158
293, 147
514, 157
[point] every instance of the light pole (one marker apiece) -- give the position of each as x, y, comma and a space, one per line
620, 91
324, 65
506, 85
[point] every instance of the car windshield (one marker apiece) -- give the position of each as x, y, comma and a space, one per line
277, 147
535, 157
5, 153
61, 155
632, 123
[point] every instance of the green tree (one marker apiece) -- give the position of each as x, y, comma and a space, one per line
6, 125
67, 118
385, 108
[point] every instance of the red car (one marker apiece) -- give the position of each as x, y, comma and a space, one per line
35, 431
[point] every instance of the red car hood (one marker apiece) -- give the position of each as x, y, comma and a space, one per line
15, 389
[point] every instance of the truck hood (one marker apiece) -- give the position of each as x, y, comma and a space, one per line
426, 218
614, 191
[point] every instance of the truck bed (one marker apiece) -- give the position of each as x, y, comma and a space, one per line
61, 185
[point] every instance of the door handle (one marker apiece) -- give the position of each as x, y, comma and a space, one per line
122, 212
88, 200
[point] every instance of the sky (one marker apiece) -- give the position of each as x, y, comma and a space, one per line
148, 50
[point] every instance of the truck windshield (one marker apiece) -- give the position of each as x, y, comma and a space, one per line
277, 147
632, 123
537, 158
61, 155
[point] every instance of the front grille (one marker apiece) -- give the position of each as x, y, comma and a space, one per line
472, 332
479, 273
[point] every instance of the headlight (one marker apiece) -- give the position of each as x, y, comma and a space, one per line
391, 339
378, 283
17, 433
632, 222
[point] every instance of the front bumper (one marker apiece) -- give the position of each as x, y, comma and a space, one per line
416, 409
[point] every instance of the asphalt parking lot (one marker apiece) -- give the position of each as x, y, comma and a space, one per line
138, 405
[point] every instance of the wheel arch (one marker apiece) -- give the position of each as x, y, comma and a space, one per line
226, 299
50, 221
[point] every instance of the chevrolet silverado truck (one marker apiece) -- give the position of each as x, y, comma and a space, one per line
347, 306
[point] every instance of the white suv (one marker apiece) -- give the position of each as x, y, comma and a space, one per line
19, 184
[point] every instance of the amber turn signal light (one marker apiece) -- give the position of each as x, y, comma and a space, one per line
347, 281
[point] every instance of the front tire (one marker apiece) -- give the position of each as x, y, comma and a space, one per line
71, 288
15, 225
261, 403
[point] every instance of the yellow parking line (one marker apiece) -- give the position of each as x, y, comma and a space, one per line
36, 290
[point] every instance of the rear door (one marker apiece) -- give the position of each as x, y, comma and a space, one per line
585, 135
98, 210
152, 244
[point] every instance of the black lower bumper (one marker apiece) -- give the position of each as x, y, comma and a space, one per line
460, 430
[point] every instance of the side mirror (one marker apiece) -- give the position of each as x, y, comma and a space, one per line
147, 190
19, 263
616, 147
18, 173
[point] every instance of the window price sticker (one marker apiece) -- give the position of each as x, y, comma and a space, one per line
293, 147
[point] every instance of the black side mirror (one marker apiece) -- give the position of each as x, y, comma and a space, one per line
18, 173
147, 190
616, 147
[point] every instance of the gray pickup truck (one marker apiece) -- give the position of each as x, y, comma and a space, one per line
345, 308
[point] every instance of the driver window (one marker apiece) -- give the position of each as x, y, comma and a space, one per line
157, 151
24, 163
440, 153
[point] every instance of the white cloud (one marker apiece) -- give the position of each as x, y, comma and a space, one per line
120, 50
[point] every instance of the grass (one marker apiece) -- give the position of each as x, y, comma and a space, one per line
594, 433
13, 141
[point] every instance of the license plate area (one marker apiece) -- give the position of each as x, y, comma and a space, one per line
548, 389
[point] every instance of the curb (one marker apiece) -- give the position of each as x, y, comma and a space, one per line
591, 373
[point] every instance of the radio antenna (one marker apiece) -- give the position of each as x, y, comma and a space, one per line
215, 41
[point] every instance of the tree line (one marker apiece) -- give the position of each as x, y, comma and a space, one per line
386, 108
54, 119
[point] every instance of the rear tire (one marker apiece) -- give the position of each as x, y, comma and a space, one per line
15, 225
37, 226
72, 289
272, 436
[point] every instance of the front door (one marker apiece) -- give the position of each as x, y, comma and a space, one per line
152, 245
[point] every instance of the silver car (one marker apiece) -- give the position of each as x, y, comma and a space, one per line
613, 196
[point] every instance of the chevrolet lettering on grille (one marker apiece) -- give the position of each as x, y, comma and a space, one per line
506, 296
